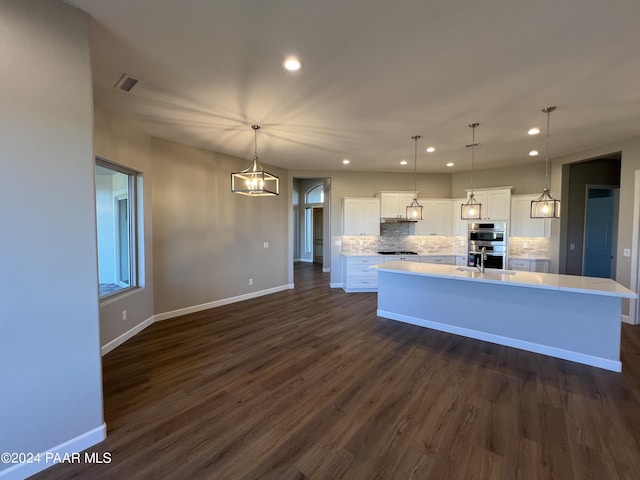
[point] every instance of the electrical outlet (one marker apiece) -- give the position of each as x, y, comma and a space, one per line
251, 281
265, 244
627, 252
572, 246
124, 315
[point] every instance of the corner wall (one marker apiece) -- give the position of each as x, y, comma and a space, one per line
51, 375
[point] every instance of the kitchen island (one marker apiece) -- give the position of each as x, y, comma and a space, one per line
565, 316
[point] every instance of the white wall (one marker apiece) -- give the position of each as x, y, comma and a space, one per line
50, 372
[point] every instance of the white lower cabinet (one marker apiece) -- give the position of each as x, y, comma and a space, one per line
358, 274
529, 265
402, 258
442, 259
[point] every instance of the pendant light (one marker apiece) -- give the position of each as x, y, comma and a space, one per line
545, 206
472, 210
414, 211
255, 181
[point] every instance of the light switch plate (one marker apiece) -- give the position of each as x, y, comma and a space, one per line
265, 244
626, 252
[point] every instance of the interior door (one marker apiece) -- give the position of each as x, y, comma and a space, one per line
598, 234
317, 235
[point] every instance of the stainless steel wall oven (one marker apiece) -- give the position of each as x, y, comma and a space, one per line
493, 237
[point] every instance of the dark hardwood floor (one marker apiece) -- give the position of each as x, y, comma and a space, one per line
310, 384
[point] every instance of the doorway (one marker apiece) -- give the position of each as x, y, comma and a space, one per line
600, 227
577, 179
318, 244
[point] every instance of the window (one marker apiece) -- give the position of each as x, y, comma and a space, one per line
315, 195
116, 227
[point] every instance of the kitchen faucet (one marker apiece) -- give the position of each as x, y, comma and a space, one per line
483, 257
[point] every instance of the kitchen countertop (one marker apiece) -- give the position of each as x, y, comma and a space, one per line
549, 281
376, 254
523, 257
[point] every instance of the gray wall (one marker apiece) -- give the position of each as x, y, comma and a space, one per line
121, 142
525, 178
630, 162
207, 241
49, 341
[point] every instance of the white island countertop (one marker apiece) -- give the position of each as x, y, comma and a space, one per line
549, 281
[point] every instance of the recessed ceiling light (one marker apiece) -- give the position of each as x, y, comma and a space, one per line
450, 164
533, 153
403, 162
431, 149
534, 131
346, 162
293, 64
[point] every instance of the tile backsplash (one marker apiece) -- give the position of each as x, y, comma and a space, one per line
396, 236
528, 247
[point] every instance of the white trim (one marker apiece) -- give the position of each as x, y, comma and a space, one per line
326, 269
306, 260
335, 284
218, 303
626, 318
21, 471
605, 363
116, 342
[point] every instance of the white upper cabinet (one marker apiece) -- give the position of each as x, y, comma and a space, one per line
437, 217
394, 204
496, 202
460, 226
522, 225
360, 216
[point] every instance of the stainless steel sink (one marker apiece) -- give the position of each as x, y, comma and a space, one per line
497, 271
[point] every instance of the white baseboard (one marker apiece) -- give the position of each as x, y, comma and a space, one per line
605, 363
306, 260
626, 319
116, 342
184, 311
218, 303
20, 471
326, 269
335, 284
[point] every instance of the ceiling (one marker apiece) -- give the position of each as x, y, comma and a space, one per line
375, 74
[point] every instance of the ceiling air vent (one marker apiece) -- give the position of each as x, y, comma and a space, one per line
126, 83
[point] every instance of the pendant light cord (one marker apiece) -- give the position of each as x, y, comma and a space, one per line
473, 146
255, 140
547, 169
415, 167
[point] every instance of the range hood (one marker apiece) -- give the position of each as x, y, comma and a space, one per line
396, 220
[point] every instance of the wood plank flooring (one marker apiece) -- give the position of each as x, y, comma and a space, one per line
310, 384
